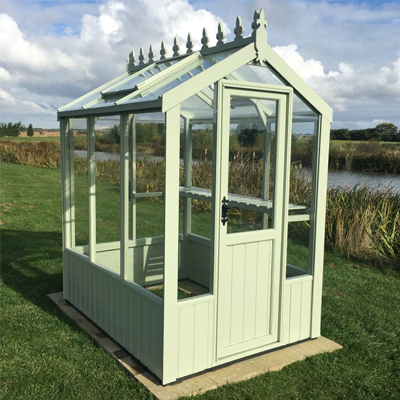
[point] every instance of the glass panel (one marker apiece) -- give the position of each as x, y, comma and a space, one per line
298, 249
107, 135
251, 161
92, 97
80, 183
257, 74
130, 83
197, 139
145, 264
304, 128
169, 84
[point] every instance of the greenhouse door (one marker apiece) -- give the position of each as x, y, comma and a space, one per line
253, 205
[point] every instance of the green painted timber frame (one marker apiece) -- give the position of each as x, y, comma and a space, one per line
178, 338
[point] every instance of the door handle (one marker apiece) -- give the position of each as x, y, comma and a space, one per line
224, 211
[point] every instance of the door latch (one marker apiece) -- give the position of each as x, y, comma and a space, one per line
225, 209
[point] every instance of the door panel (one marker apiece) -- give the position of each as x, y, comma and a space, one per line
249, 270
245, 296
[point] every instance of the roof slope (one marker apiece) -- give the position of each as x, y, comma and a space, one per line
162, 84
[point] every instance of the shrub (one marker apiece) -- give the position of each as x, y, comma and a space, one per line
30, 131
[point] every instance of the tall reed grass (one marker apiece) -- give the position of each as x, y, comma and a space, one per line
368, 157
361, 223
364, 223
35, 154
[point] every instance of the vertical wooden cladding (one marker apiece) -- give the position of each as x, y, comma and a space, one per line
297, 309
246, 292
195, 335
133, 319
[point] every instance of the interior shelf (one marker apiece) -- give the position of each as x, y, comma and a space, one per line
235, 200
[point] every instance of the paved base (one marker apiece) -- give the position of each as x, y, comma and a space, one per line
235, 372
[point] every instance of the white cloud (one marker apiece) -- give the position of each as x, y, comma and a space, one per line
12, 106
346, 84
16, 51
378, 121
62, 67
305, 68
42, 68
5, 76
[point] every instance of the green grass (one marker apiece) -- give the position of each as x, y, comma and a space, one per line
39, 138
45, 356
32, 139
344, 142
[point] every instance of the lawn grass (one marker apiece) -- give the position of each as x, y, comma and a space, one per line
45, 356
31, 139
339, 143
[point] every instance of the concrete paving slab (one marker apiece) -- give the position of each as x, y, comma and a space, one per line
209, 380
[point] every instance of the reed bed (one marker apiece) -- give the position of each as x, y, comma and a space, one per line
368, 157
35, 154
364, 223
361, 223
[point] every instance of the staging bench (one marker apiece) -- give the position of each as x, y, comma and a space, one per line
244, 202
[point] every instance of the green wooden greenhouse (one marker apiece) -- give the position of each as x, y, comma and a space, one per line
224, 274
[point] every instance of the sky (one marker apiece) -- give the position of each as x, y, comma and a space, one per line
52, 52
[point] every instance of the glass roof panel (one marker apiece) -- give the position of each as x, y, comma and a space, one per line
199, 107
96, 95
257, 74
156, 92
130, 83
300, 107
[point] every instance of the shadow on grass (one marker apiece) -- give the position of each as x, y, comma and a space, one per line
31, 265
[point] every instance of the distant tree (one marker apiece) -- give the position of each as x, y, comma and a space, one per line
247, 135
11, 129
386, 132
30, 132
340, 134
361, 134
114, 134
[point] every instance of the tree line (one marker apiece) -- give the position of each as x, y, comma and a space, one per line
11, 129
385, 132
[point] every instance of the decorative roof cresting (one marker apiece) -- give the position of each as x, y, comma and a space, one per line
258, 35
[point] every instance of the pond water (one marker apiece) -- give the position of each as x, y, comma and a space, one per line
353, 178
335, 178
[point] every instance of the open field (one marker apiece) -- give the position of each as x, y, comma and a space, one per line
31, 139
45, 356
344, 142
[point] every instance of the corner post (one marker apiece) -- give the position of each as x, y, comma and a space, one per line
187, 201
171, 245
91, 160
187, 179
132, 133
65, 195
71, 179
266, 168
317, 220
124, 184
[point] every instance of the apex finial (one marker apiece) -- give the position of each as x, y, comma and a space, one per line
131, 59
260, 35
176, 47
259, 20
189, 44
151, 54
141, 56
220, 35
205, 39
163, 51
239, 29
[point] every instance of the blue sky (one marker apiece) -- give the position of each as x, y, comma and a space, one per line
53, 51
